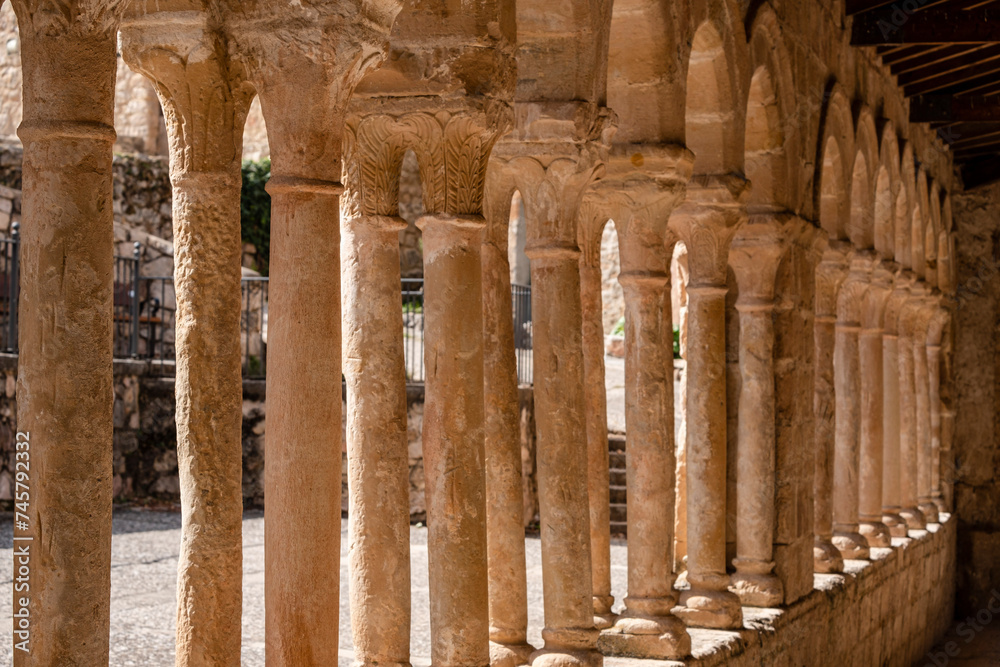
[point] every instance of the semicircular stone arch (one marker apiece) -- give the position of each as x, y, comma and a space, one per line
836, 165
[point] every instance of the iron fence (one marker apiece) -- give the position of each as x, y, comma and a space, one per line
145, 312
413, 330
10, 257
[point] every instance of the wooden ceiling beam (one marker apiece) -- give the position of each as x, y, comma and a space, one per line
949, 109
939, 25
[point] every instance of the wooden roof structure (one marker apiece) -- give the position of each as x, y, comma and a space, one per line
945, 55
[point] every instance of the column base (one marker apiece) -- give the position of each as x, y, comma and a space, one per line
876, 534
510, 655
940, 504
826, 557
561, 657
649, 637
604, 618
851, 545
930, 511
914, 518
719, 610
757, 589
895, 523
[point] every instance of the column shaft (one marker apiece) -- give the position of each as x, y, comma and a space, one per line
921, 381
377, 456
754, 580
65, 386
826, 557
303, 469
454, 462
708, 602
209, 389
872, 439
845, 466
598, 474
908, 433
508, 583
562, 457
934, 380
891, 491
647, 628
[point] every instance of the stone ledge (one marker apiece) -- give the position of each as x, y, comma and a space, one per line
888, 611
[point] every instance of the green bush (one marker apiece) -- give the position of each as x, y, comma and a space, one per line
255, 210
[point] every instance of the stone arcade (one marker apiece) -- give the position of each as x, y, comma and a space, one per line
745, 149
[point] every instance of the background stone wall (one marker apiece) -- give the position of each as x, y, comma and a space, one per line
977, 376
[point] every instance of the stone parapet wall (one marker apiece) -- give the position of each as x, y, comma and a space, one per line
889, 611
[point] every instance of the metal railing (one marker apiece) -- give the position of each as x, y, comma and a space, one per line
145, 313
413, 330
10, 257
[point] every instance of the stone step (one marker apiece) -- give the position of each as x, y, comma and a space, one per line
618, 513
616, 442
617, 477
616, 460
619, 528
618, 495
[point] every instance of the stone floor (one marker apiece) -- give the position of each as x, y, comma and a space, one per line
143, 575
971, 642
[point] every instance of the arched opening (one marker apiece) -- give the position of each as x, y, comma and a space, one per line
917, 241
764, 145
517, 238
832, 191
860, 225
709, 103
612, 295
901, 245
883, 216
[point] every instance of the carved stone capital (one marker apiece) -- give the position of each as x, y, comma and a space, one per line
901, 284
205, 97
830, 273
304, 60
551, 177
875, 299
852, 291
756, 251
714, 207
452, 149
52, 18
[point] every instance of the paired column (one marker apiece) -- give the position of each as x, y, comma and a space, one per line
68, 60
921, 382
830, 273
640, 202
755, 255
908, 443
551, 173
508, 594
206, 147
891, 424
304, 90
942, 418
847, 378
872, 445
592, 220
706, 222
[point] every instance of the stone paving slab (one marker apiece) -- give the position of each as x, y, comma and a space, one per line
143, 579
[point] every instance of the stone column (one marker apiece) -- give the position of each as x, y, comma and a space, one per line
922, 400
754, 257
592, 220
830, 273
303, 62
891, 473
378, 472
706, 222
934, 395
65, 386
847, 380
938, 366
872, 442
554, 157
453, 438
508, 584
205, 105
908, 444
640, 202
